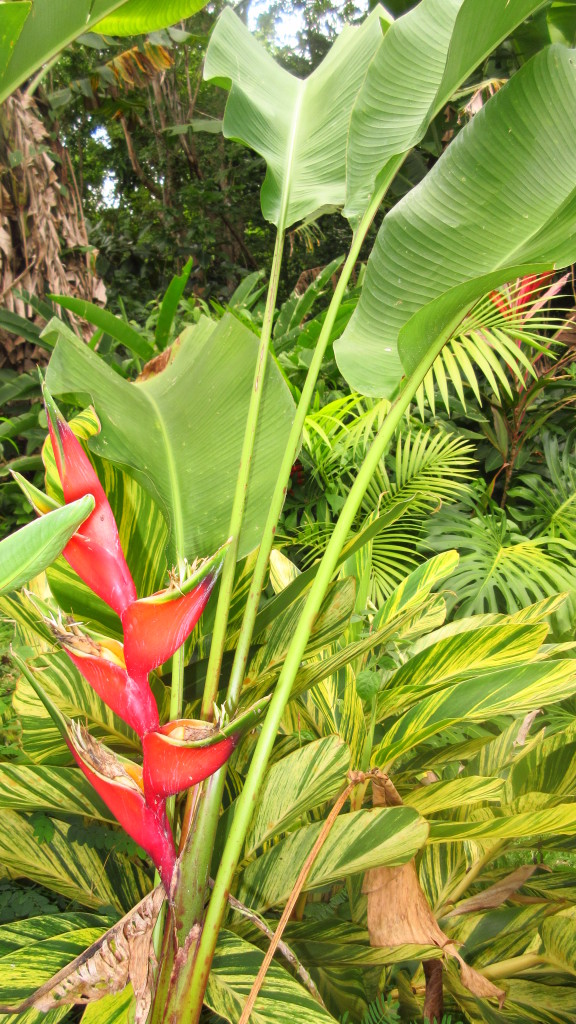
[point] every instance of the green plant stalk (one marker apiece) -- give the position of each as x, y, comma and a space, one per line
293, 444
195, 863
515, 965
228, 572
197, 857
208, 811
194, 976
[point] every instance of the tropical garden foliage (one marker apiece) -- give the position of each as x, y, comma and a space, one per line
290, 638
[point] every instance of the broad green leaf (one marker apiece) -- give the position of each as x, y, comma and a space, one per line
442, 796
162, 429
34, 950
498, 197
91, 877
559, 940
316, 772
53, 24
561, 819
357, 841
512, 690
33, 548
527, 1002
343, 942
299, 126
30, 788
236, 964
12, 18
455, 658
137, 17
422, 59
442, 867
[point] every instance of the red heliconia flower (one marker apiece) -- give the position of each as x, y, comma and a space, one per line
119, 784
103, 667
94, 552
170, 767
155, 627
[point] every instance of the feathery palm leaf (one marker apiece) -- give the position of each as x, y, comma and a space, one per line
430, 469
499, 341
549, 507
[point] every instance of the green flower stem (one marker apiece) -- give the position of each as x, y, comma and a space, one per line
228, 572
191, 992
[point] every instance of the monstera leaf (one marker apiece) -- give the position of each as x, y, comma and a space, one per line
299, 126
179, 433
500, 196
31, 33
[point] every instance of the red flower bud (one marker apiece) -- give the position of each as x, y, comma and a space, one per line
94, 552
119, 784
102, 665
170, 767
186, 751
155, 627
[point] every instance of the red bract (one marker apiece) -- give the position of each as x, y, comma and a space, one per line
155, 627
129, 698
120, 787
94, 552
171, 766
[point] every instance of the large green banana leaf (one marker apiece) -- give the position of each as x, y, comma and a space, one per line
299, 126
179, 433
502, 195
421, 61
31, 33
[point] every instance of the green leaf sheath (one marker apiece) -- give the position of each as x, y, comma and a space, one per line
33, 548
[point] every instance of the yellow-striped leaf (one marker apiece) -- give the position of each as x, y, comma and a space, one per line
357, 841
512, 690
93, 878
235, 965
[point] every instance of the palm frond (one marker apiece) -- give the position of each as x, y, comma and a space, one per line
498, 343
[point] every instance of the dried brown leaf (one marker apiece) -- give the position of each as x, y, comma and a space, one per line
124, 954
399, 913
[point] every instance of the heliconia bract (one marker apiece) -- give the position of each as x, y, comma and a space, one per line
154, 628
94, 552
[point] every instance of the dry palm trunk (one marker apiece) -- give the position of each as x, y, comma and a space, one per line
43, 239
398, 914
